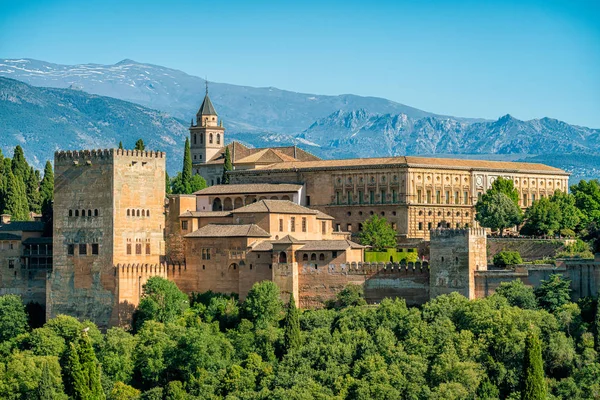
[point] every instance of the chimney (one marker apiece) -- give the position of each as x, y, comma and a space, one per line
4, 219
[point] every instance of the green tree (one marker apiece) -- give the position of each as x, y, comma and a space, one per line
505, 258
497, 211
542, 218
377, 233
186, 172
139, 145
596, 326
175, 391
19, 165
507, 187
161, 301
571, 216
554, 292
534, 384
120, 145
351, 295
227, 166
16, 199
90, 369
291, 327
518, 294
116, 355
75, 380
262, 305
13, 318
587, 200
47, 198
49, 388
196, 183
32, 186
121, 391
167, 183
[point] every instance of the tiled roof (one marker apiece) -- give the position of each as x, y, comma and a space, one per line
239, 152
266, 156
274, 206
206, 108
415, 162
249, 188
206, 214
215, 230
324, 245
38, 240
266, 245
322, 215
9, 236
23, 226
288, 239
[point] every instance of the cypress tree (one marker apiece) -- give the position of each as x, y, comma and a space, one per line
75, 381
139, 145
167, 183
227, 166
3, 177
534, 385
596, 327
47, 196
19, 165
33, 192
120, 145
90, 369
16, 198
47, 389
186, 173
291, 335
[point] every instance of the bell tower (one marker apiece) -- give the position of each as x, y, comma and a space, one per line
207, 136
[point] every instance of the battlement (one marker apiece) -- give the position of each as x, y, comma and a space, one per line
365, 268
447, 233
134, 269
89, 155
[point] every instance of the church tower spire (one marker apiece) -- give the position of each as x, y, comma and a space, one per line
207, 137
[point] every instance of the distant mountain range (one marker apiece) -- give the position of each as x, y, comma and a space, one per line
328, 126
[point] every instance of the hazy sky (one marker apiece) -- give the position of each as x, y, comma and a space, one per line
464, 58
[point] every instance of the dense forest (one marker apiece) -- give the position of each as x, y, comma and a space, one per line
518, 343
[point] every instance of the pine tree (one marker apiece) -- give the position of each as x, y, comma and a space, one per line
33, 192
186, 173
227, 166
534, 385
19, 165
139, 145
75, 381
291, 335
16, 199
46, 388
90, 369
120, 145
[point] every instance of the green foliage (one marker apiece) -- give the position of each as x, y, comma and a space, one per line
139, 145
185, 182
587, 200
506, 258
161, 301
32, 191
554, 292
13, 318
393, 254
542, 218
518, 294
121, 391
262, 305
120, 145
116, 355
168, 189
291, 327
19, 165
377, 233
534, 385
497, 211
505, 186
227, 166
350, 296
186, 172
15, 202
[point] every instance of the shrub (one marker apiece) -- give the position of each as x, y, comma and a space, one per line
504, 258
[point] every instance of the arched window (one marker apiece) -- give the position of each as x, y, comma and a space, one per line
233, 266
321, 257
96, 212
313, 257
143, 213
194, 138
217, 205
77, 213
138, 213
70, 213
128, 212
305, 257
89, 213
218, 138
83, 213
282, 257
201, 139
210, 138
147, 213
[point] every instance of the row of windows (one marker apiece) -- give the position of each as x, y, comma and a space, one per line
293, 224
234, 266
441, 225
83, 249
76, 213
138, 248
6, 245
313, 256
210, 138
448, 214
137, 213
349, 213
371, 180
360, 199
447, 199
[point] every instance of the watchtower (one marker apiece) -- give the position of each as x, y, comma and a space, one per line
207, 135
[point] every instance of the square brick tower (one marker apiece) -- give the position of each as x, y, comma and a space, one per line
108, 217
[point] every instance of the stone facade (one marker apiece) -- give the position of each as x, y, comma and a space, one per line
108, 213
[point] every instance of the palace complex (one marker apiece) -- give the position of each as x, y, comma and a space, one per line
286, 216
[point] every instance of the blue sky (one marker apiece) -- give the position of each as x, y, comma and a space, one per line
464, 58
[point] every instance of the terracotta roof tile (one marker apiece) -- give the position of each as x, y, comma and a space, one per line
274, 206
215, 230
324, 245
288, 239
249, 188
206, 214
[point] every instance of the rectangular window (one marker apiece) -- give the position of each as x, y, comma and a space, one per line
83, 249
525, 200
349, 228
429, 225
394, 196
438, 199
532, 197
138, 248
371, 197
129, 248
383, 197
429, 197
447, 197
303, 224
466, 197
360, 197
280, 225
293, 224
11, 264
323, 227
333, 254
147, 248
456, 198
184, 225
11, 245
420, 226
419, 196
349, 197
308, 200
337, 197
95, 249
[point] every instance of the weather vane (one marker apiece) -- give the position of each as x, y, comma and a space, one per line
206, 81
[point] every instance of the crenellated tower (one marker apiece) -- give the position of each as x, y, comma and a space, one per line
207, 135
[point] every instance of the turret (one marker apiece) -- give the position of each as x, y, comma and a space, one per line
207, 137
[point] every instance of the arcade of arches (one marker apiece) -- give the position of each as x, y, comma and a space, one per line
231, 203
